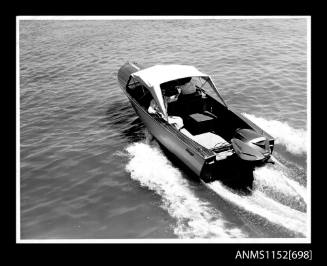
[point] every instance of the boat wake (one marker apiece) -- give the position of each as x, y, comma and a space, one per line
260, 204
195, 217
276, 183
294, 140
277, 195
277, 198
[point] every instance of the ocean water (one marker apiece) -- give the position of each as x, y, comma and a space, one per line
87, 167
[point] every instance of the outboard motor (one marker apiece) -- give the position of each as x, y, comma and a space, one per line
251, 146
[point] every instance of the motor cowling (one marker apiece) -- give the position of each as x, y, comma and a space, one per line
250, 145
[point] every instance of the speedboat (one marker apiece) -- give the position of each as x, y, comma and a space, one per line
183, 110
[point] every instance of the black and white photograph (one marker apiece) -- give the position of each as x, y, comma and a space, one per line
163, 129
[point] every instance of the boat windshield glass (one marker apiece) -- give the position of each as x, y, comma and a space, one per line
207, 85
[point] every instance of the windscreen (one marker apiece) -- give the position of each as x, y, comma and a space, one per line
206, 84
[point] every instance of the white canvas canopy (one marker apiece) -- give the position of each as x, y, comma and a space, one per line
152, 77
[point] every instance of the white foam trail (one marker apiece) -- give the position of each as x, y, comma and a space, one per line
295, 140
300, 189
265, 207
276, 161
194, 217
279, 182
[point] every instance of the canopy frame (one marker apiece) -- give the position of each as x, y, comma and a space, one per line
154, 76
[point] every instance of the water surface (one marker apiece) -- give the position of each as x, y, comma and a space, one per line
87, 168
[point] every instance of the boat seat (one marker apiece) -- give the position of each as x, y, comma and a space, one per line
186, 104
208, 140
199, 123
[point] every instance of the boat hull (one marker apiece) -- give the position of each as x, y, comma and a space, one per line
190, 153
201, 160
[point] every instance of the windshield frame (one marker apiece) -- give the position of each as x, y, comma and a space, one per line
207, 79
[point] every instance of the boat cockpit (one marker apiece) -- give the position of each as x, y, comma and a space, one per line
193, 107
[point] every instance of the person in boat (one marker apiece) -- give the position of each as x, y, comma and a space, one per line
169, 95
187, 87
154, 107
